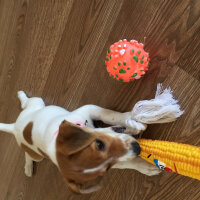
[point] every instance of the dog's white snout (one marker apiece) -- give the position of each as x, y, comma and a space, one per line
131, 145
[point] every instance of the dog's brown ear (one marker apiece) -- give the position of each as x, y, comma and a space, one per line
72, 138
80, 189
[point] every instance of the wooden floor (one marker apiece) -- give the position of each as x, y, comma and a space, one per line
56, 49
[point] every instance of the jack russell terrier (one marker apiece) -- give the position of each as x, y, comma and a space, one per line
81, 152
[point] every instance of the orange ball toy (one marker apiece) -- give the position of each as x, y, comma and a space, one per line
126, 61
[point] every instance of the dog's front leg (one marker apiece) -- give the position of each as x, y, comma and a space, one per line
113, 118
140, 165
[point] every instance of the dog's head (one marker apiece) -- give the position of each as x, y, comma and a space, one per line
84, 155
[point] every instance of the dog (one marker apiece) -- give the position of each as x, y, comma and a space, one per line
81, 152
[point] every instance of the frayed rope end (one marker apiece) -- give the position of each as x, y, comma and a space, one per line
162, 109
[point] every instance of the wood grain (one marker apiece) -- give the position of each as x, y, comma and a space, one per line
56, 49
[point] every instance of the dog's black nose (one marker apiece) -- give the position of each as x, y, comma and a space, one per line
136, 148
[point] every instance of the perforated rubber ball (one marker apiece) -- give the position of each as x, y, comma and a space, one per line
127, 61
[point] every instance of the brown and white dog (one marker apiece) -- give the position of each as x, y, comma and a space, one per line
81, 152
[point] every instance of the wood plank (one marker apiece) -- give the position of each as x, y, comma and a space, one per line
56, 49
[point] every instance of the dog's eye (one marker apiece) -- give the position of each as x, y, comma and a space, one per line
100, 145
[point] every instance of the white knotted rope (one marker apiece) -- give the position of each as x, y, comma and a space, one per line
162, 109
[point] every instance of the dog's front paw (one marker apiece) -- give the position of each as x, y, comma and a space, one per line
28, 169
151, 170
134, 127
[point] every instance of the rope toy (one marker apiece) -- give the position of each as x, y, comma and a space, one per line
127, 61
169, 156
172, 157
